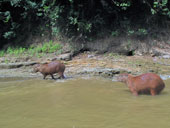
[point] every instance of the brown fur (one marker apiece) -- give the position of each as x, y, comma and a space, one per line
145, 83
50, 69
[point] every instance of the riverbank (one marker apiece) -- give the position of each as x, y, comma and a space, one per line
88, 63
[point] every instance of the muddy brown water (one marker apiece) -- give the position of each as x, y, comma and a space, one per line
79, 103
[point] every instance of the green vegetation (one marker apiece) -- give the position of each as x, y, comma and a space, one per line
86, 19
39, 50
115, 33
47, 47
2, 53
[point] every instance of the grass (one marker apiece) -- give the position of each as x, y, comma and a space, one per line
113, 55
33, 50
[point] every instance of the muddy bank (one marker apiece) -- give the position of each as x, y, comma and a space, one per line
89, 63
125, 46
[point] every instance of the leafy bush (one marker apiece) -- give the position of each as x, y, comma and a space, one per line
2, 53
115, 33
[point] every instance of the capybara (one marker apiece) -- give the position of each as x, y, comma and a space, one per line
50, 69
145, 83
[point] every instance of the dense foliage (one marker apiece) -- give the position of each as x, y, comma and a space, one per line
82, 18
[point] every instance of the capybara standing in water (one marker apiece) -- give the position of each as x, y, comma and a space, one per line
145, 83
50, 69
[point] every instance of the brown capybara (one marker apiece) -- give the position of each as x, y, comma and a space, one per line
145, 83
50, 69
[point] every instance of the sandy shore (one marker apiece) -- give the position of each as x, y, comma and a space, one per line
88, 63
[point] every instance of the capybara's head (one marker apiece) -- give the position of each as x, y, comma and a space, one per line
123, 77
36, 68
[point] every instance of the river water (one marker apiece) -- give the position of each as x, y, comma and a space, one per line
79, 103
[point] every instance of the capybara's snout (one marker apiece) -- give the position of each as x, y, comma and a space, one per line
122, 77
36, 68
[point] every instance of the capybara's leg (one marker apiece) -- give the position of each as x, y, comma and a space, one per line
61, 75
44, 76
52, 76
153, 92
135, 93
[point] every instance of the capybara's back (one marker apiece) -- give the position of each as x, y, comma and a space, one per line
144, 83
56, 66
151, 81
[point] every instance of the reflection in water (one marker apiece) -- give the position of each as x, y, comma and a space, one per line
80, 103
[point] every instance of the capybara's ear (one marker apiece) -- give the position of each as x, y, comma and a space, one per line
36, 65
125, 74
